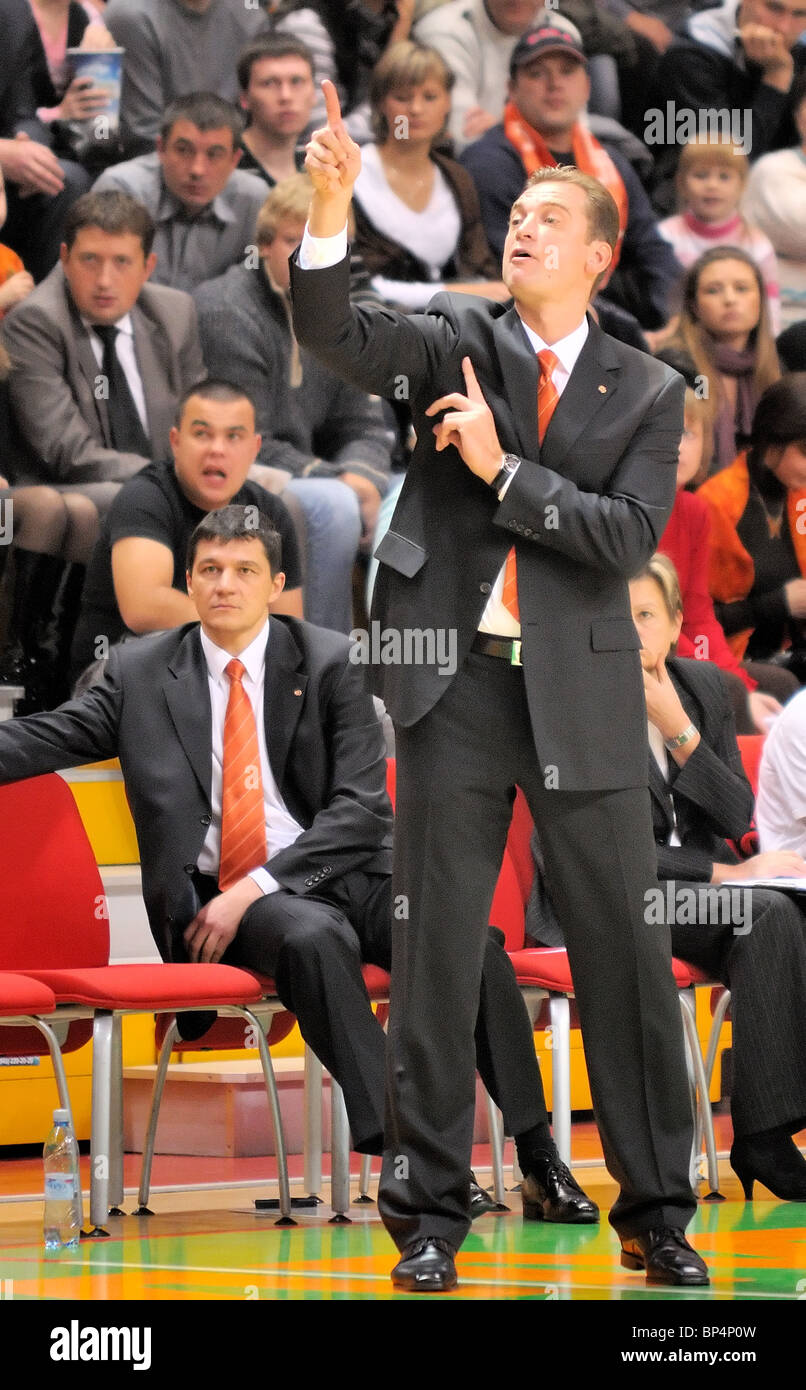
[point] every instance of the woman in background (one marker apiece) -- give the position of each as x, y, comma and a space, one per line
757, 546
418, 224
725, 332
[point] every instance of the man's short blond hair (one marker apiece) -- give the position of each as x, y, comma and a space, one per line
288, 201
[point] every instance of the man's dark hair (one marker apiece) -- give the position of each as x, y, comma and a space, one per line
112, 211
271, 46
213, 388
238, 524
206, 111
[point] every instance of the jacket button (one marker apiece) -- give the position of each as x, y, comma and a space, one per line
206, 820
309, 883
485, 588
326, 869
190, 868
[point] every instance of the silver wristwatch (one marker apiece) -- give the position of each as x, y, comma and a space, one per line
678, 742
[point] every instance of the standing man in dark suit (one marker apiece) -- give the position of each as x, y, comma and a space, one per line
566, 467
297, 883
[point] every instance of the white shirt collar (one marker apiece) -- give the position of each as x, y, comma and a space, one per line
253, 656
123, 325
566, 349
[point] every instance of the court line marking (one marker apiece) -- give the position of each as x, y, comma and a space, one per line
285, 1273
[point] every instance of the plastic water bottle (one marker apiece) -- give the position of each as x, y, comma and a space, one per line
63, 1210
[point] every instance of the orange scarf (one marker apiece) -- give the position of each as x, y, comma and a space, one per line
591, 157
730, 567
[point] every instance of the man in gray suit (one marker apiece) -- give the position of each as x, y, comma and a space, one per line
100, 358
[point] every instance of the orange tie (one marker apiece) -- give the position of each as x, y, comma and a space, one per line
547, 398
243, 818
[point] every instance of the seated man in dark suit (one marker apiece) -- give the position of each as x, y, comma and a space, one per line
136, 578
255, 773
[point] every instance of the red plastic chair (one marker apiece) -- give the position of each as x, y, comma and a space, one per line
54, 928
544, 977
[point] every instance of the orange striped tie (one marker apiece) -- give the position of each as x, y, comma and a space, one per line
547, 398
243, 818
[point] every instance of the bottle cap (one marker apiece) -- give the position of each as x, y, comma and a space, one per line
61, 1117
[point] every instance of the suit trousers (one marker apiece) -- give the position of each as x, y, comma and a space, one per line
763, 963
314, 947
456, 774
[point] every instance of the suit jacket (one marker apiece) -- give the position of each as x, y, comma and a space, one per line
584, 511
153, 711
708, 800
62, 419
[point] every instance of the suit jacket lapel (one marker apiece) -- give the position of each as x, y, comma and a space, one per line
662, 798
519, 373
188, 696
154, 374
597, 366
283, 696
89, 366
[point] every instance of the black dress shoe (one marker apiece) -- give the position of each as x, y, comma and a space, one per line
771, 1158
666, 1256
480, 1199
426, 1267
550, 1193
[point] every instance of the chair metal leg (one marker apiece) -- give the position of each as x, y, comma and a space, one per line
690, 1029
713, 1037
313, 1123
286, 1218
58, 1065
100, 1139
495, 1125
364, 1180
339, 1156
560, 1015
153, 1117
116, 1119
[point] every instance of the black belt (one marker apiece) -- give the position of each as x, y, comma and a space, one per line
507, 648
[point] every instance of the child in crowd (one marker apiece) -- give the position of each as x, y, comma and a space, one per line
711, 179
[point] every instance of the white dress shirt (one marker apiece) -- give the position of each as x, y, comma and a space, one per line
124, 347
281, 828
317, 253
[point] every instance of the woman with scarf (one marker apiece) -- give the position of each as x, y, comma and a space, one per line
757, 548
725, 331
